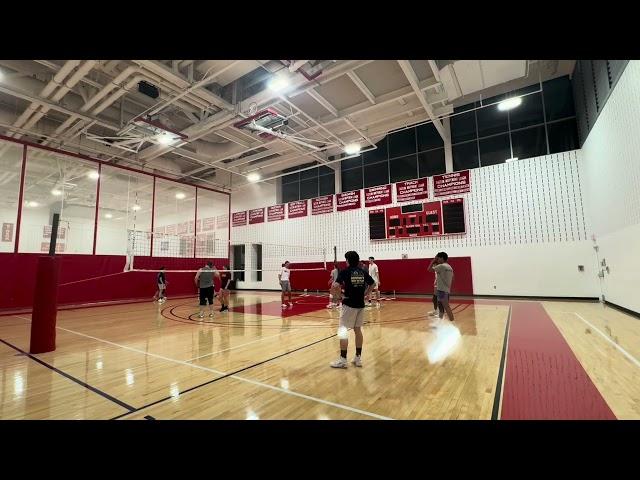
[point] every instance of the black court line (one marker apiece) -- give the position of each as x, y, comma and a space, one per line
149, 417
72, 378
226, 375
496, 399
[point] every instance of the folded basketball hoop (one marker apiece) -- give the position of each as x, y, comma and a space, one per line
266, 119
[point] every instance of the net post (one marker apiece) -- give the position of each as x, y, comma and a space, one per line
45, 298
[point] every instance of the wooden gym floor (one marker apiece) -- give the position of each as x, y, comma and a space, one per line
502, 359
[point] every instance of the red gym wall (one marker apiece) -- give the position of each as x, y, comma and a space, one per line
18, 278
403, 276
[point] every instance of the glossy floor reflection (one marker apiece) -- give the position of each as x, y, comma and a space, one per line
142, 360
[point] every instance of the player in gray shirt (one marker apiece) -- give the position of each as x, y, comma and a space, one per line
444, 280
204, 281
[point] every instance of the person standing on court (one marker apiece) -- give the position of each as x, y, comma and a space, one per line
444, 279
375, 274
285, 284
162, 286
333, 299
225, 280
357, 284
204, 280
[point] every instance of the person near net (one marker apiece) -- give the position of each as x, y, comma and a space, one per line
225, 280
444, 279
375, 274
285, 283
161, 280
204, 281
334, 300
357, 284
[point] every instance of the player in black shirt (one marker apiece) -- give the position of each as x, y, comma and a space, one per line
357, 284
162, 286
225, 280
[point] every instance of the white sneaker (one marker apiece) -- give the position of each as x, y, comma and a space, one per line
357, 361
330, 305
201, 315
433, 313
211, 314
290, 304
340, 363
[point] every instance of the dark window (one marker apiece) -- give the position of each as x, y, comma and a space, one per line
325, 170
351, 162
379, 154
491, 121
309, 188
494, 150
558, 98
403, 168
327, 184
351, 179
376, 174
463, 127
529, 112
290, 192
402, 143
294, 177
465, 156
563, 136
428, 137
431, 163
529, 143
311, 173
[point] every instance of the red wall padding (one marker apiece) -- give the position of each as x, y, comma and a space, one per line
18, 278
403, 276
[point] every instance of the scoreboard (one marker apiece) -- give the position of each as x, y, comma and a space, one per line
418, 220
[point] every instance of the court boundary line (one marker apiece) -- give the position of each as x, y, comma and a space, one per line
236, 377
72, 378
496, 410
630, 357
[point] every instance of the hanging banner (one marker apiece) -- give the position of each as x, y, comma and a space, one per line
376, 196
256, 216
171, 229
208, 223
44, 247
297, 209
412, 190
322, 205
192, 226
348, 200
275, 213
451, 183
182, 228
222, 221
7, 232
238, 219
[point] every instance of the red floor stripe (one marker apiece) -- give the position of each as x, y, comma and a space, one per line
543, 378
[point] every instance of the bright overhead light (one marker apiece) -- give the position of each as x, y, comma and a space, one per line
33, 204
165, 139
279, 83
180, 196
108, 215
511, 159
93, 175
509, 103
138, 207
253, 177
352, 149
56, 192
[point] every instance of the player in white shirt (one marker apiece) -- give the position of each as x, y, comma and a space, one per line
375, 274
285, 284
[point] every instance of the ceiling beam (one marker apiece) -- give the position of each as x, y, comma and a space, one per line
406, 67
323, 101
361, 85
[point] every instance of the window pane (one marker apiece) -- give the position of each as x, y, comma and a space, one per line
213, 208
465, 156
558, 98
327, 184
294, 177
494, 150
431, 163
351, 179
351, 162
463, 127
402, 143
325, 170
563, 136
311, 173
308, 188
174, 209
56, 183
126, 201
290, 192
379, 154
428, 137
529, 112
10, 171
376, 174
404, 168
529, 143
491, 121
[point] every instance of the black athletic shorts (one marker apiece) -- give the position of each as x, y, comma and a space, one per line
206, 294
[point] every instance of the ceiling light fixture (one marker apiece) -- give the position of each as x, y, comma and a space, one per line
509, 103
136, 207
165, 139
108, 215
93, 175
253, 177
278, 83
56, 192
180, 196
352, 149
33, 204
